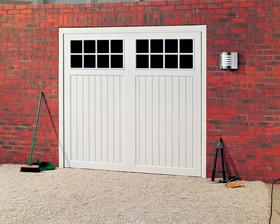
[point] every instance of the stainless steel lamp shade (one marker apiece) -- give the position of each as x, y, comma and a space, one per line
228, 60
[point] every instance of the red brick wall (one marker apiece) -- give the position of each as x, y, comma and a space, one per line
243, 106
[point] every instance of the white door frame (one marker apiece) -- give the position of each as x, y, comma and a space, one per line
148, 29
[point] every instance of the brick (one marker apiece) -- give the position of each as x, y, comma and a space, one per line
242, 106
231, 5
247, 4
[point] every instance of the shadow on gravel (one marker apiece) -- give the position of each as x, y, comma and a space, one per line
276, 204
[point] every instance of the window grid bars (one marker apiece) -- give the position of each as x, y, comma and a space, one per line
96, 55
179, 53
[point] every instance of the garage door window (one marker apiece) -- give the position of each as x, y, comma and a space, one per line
96, 54
165, 53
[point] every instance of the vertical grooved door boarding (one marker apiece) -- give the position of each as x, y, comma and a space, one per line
133, 101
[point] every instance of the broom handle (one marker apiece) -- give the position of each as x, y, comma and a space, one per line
35, 130
50, 115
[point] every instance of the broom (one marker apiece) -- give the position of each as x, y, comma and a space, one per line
38, 165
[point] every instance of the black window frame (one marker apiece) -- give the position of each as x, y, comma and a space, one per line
165, 53
96, 53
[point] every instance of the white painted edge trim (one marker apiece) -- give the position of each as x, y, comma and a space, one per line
203, 100
135, 29
61, 99
151, 29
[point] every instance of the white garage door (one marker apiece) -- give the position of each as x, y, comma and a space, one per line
132, 99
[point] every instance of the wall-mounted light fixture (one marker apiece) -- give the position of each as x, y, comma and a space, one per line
228, 60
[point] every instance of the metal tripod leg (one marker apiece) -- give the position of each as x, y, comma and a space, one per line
215, 163
223, 165
219, 148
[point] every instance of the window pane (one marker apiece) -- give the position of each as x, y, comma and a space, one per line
89, 46
142, 46
171, 61
156, 46
103, 46
89, 61
142, 61
103, 61
171, 46
116, 61
186, 46
186, 61
76, 61
116, 46
156, 61
76, 46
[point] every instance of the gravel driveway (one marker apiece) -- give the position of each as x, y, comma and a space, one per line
90, 196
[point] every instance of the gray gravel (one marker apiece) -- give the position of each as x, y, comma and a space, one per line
90, 196
276, 204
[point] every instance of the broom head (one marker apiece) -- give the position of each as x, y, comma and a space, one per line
31, 168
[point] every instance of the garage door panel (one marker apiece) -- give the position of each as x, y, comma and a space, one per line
98, 125
182, 126
155, 121
92, 117
73, 122
110, 109
109, 124
77, 116
118, 127
164, 121
79, 132
104, 118
175, 122
95, 118
168, 122
73, 118
143, 119
162, 124
86, 118
189, 121
149, 112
